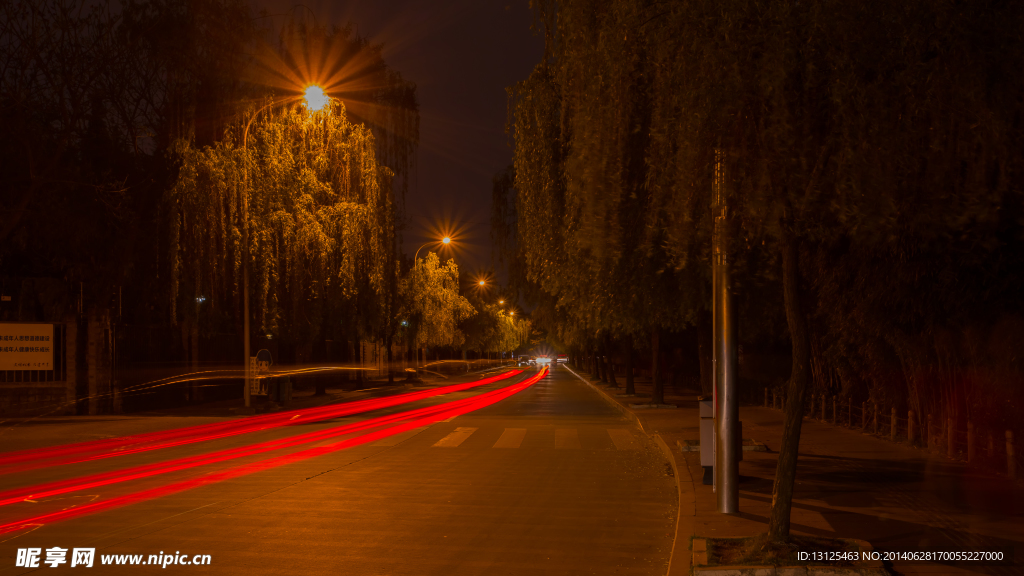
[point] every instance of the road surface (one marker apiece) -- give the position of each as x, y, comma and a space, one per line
550, 480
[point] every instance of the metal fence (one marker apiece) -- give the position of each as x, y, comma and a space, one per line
974, 444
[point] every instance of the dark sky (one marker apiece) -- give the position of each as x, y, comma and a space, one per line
461, 55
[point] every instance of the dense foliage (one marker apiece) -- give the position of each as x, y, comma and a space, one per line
306, 190
433, 303
104, 103
873, 162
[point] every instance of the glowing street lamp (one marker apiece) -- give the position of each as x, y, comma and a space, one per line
446, 240
315, 98
482, 282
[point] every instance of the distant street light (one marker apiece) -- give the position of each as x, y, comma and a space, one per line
501, 301
315, 100
446, 240
416, 262
481, 282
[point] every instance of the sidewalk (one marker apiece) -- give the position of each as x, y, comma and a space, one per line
849, 485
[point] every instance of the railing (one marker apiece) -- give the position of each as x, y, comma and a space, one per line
942, 437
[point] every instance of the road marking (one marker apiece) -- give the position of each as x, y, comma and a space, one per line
567, 438
398, 438
455, 438
622, 438
511, 438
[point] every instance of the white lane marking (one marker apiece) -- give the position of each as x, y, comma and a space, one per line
455, 438
398, 438
567, 438
511, 438
623, 439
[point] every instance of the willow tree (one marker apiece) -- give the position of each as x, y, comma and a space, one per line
299, 198
430, 293
492, 329
591, 231
872, 157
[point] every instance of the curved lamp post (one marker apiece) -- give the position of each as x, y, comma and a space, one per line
315, 99
415, 262
446, 240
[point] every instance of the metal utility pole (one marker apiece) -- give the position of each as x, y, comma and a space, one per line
245, 327
727, 414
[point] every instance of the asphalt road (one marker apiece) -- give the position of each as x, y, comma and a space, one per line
551, 480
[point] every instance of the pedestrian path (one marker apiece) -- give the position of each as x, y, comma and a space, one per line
850, 484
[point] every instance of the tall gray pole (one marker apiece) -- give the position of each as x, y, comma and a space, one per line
727, 413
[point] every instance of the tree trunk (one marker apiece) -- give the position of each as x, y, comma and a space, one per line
705, 348
658, 395
785, 475
602, 361
321, 382
359, 363
609, 370
629, 366
391, 373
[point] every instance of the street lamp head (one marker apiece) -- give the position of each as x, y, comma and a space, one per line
501, 301
481, 282
446, 240
315, 98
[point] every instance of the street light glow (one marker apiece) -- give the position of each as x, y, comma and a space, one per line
446, 240
315, 98
501, 301
481, 282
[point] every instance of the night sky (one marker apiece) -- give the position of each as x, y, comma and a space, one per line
461, 55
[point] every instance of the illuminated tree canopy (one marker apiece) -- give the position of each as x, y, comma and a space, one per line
317, 208
433, 303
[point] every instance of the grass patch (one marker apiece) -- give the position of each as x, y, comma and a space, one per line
759, 551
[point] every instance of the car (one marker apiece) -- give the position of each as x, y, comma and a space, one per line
562, 359
523, 361
543, 360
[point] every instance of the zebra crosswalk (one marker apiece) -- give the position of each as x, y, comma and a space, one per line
511, 438
455, 438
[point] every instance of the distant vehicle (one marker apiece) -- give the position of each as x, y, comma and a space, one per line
533, 360
563, 358
543, 360
524, 361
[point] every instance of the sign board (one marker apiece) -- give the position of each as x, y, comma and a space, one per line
26, 346
257, 383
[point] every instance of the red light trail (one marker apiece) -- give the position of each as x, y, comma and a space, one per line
401, 422
98, 449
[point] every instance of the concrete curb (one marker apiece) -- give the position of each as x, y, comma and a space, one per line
673, 558
679, 499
